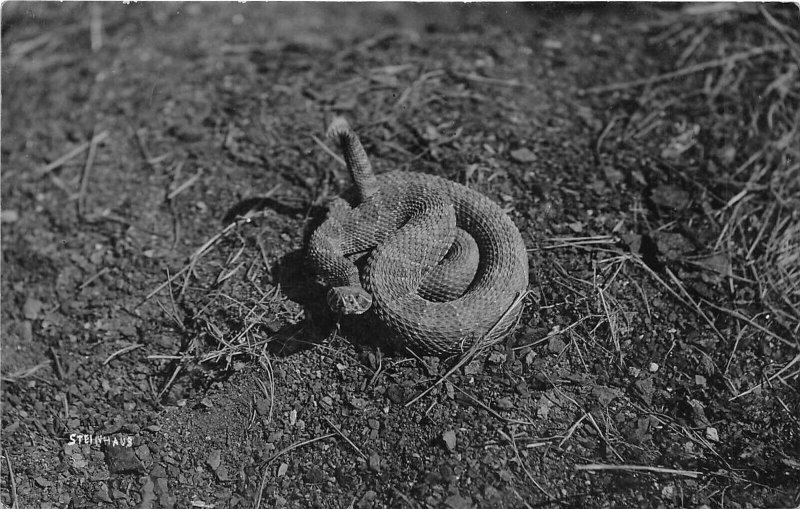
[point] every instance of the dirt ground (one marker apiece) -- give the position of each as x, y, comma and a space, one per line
163, 165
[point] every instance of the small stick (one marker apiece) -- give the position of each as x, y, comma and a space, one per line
491, 81
161, 286
41, 172
87, 168
270, 393
181, 188
510, 439
121, 351
572, 429
57, 362
696, 41
257, 502
696, 306
492, 412
170, 381
329, 151
553, 334
97, 275
782, 30
740, 316
771, 378
690, 303
12, 480
611, 326
354, 446
692, 69
638, 468
590, 417
24, 373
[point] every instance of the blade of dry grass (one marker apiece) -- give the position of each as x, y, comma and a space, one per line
44, 170
692, 69
296, 445
768, 380
594, 467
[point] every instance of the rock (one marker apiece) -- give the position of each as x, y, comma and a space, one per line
214, 458
523, 155
449, 440
556, 345
458, 502
670, 197
32, 308
504, 404
375, 462
123, 460
222, 473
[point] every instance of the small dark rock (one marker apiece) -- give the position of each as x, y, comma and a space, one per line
123, 460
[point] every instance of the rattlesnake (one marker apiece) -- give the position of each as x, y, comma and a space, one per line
407, 222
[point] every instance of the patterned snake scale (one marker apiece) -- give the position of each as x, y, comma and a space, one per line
444, 263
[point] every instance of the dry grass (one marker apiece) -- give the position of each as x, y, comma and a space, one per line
747, 107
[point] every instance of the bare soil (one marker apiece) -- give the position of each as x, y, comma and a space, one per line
163, 165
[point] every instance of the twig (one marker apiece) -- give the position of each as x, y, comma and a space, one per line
257, 502
703, 66
740, 316
690, 303
588, 416
696, 41
782, 30
611, 326
771, 378
191, 180
22, 48
366, 44
491, 81
513, 443
339, 432
170, 381
329, 151
411, 88
491, 411
162, 286
680, 286
97, 275
44, 170
638, 468
571, 430
599, 431
57, 363
553, 334
12, 481
121, 351
87, 168
268, 392
24, 373
576, 242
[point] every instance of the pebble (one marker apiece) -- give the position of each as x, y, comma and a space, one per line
449, 439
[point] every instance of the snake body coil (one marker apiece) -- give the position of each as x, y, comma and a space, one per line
446, 265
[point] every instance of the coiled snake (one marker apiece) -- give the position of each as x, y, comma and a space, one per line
445, 268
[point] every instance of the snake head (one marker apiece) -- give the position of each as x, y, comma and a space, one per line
349, 300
